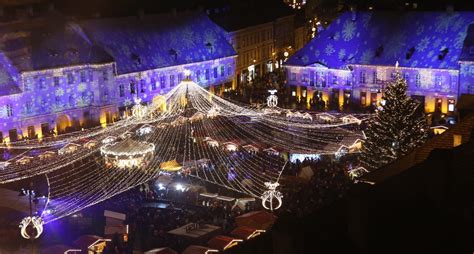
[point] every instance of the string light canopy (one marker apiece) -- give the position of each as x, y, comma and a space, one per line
192, 130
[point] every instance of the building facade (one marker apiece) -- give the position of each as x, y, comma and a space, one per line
351, 61
75, 75
260, 40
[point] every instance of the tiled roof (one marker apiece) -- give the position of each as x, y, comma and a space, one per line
49, 44
415, 39
8, 77
158, 41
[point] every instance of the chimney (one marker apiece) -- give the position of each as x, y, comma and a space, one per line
354, 13
141, 14
174, 12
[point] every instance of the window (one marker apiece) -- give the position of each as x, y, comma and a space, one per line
198, 75
162, 82
132, 87
348, 81
293, 76
229, 70
207, 74
43, 104
417, 80
9, 109
222, 70
305, 78
91, 75
363, 98
71, 101
121, 90
142, 86
215, 72
454, 81
171, 80
393, 75
334, 79
70, 78
29, 107
58, 100
451, 105
105, 75
56, 81
437, 80
457, 140
362, 77
83, 76
28, 85
42, 83
180, 77
153, 84
374, 77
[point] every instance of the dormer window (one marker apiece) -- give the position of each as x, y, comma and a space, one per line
444, 51
379, 51
136, 58
174, 54
410, 53
210, 47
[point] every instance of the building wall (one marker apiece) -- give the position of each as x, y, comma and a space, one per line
71, 98
363, 85
57, 99
259, 47
466, 79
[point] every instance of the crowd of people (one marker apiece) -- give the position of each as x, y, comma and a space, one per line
329, 182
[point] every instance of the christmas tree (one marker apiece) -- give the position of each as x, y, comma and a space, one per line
399, 126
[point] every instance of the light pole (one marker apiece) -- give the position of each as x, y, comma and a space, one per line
34, 221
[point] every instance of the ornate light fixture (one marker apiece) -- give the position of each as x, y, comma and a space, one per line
138, 110
272, 100
36, 222
268, 196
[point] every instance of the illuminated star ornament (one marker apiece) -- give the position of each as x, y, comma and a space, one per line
35, 222
271, 194
272, 99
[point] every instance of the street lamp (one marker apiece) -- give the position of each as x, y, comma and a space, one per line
34, 221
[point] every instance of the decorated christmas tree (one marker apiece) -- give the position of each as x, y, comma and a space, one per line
398, 126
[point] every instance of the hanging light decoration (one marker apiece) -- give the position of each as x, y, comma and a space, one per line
271, 194
35, 222
272, 99
139, 111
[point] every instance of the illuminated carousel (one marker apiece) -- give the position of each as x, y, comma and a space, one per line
127, 153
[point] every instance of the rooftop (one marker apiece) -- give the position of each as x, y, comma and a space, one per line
414, 39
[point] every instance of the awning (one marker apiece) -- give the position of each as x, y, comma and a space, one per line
170, 166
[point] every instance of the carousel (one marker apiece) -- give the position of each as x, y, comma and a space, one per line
127, 153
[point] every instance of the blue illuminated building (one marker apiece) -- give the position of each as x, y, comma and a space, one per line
58, 75
351, 60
